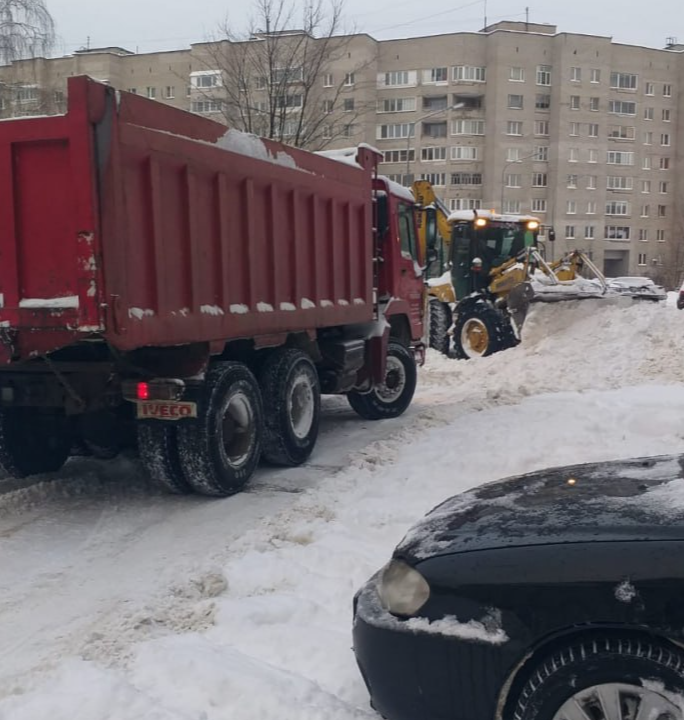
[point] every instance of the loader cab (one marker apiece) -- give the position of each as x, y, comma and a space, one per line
482, 241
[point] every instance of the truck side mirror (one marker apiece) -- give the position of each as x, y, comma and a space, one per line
552, 234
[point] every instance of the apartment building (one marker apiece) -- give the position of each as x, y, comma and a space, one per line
576, 129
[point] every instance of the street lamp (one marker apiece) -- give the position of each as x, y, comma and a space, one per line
457, 106
503, 173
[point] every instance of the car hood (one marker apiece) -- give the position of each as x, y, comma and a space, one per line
639, 499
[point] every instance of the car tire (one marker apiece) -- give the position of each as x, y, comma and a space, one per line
440, 322
291, 394
604, 678
482, 330
391, 398
220, 450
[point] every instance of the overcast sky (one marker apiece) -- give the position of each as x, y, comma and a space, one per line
174, 24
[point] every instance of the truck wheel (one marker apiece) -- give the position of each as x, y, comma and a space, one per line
440, 322
220, 450
394, 395
33, 441
482, 330
605, 678
291, 395
158, 449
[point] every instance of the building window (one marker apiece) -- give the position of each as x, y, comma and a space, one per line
666, 115
466, 178
664, 163
328, 80
396, 105
591, 182
514, 127
543, 74
594, 104
621, 107
512, 206
349, 130
591, 207
467, 127
595, 75
643, 234
593, 130
662, 211
465, 204
538, 179
433, 154
328, 106
541, 128
349, 79
575, 74
398, 156
647, 137
542, 101
396, 130
205, 106
151, 92
667, 90
434, 76
287, 75
434, 178
205, 79
641, 261
513, 154
348, 104
541, 153
573, 155
665, 139
663, 187
574, 129
617, 207
574, 102
463, 152
516, 74
593, 155
515, 102
570, 232
621, 132
620, 158
648, 113
397, 78
289, 101
571, 207
617, 232
645, 210
660, 235
513, 180
572, 181
619, 182
538, 205
623, 81
649, 88
169, 92
468, 73
589, 232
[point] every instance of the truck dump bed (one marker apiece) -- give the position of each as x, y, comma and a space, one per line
149, 226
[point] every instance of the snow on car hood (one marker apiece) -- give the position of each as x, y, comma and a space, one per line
640, 499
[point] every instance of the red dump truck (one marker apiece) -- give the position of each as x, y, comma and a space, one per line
200, 286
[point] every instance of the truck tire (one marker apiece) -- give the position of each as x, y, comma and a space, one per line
394, 395
220, 450
158, 449
33, 441
481, 330
440, 322
291, 395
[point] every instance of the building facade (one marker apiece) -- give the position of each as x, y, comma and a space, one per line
576, 129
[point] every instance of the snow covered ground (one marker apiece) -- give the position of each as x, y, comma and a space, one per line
117, 602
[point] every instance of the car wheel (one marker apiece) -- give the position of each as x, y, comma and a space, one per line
605, 678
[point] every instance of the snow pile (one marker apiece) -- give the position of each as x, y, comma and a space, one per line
253, 146
119, 602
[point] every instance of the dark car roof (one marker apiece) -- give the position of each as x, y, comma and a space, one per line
639, 499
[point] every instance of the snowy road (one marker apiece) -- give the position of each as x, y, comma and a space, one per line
119, 602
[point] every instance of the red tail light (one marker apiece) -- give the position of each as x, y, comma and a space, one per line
143, 391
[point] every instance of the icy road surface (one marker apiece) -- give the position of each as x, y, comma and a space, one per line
118, 602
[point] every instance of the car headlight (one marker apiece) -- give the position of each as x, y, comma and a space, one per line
402, 589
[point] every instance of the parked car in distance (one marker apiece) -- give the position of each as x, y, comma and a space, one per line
639, 288
557, 595
680, 298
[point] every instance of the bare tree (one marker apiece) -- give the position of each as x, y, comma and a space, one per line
668, 266
276, 80
27, 30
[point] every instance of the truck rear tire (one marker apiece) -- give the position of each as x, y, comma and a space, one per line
33, 440
394, 395
481, 330
291, 395
220, 450
158, 449
440, 322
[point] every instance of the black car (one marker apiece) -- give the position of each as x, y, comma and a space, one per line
557, 595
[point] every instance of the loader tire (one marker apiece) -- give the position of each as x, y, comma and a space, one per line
291, 395
158, 449
33, 440
391, 398
481, 330
440, 322
220, 450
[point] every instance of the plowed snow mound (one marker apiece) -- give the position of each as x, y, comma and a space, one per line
574, 345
